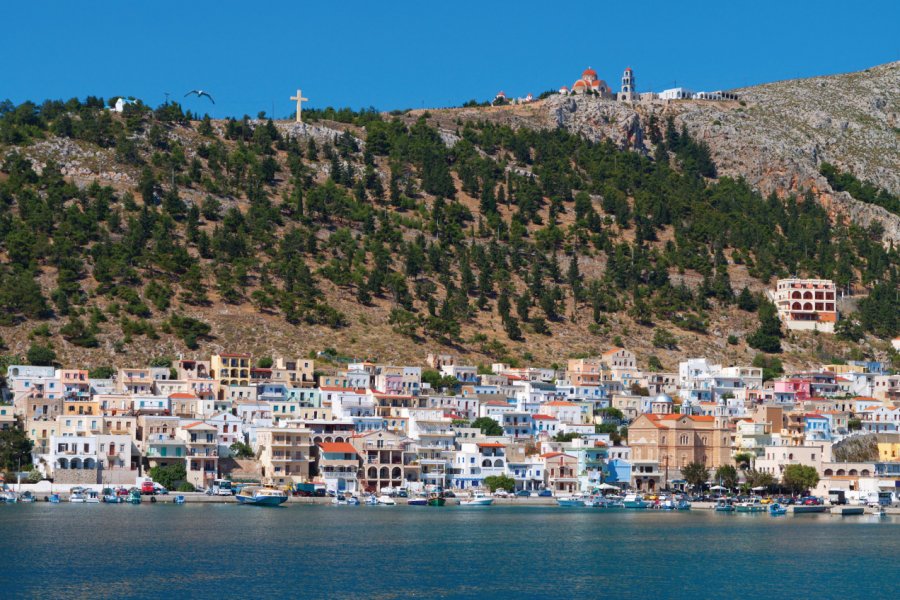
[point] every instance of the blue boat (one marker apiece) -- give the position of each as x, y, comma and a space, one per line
54, 498
179, 499
777, 509
256, 496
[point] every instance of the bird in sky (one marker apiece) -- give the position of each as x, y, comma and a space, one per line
200, 94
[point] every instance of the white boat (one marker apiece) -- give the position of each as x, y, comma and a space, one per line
78, 497
256, 496
371, 501
9, 497
635, 501
386, 500
92, 497
570, 501
477, 499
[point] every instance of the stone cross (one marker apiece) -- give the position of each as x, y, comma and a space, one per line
300, 100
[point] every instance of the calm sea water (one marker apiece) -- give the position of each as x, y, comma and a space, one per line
163, 551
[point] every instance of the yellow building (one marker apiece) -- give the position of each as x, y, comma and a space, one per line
230, 369
888, 446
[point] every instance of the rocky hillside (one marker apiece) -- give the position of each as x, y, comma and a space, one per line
528, 233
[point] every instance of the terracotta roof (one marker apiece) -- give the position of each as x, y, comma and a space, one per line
183, 396
195, 424
496, 403
813, 416
560, 403
555, 454
343, 389
337, 448
613, 351
544, 417
491, 445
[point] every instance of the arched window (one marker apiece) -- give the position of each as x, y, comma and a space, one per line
829, 472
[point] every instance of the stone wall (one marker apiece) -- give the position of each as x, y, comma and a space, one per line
95, 476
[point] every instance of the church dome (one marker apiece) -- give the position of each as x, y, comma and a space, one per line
663, 398
589, 73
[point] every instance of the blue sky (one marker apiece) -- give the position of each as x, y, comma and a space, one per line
254, 55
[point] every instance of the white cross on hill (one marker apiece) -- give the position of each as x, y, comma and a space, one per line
300, 100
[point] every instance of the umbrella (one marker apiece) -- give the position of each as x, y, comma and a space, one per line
606, 486
718, 487
758, 488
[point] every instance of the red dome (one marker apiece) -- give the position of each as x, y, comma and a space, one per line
579, 84
589, 72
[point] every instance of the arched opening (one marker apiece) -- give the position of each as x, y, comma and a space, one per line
89, 463
807, 306
498, 463
338, 439
75, 464
383, 474
373, 473
486, 463
795, 295
853, 472
807, 295
650, 484
864, 473
63, 463
395, 474
795, 306
829, 472
841, 472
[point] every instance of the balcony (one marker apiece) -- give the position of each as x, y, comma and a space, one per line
210, 453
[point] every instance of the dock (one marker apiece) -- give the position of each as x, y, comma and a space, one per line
845, 511
812, 508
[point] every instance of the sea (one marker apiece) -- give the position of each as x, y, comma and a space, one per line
301, 551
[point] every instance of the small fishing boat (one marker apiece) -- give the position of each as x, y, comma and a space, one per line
635, 501
339, 501
436, 499
78, 495
751, 506
352, 501
570, 501
27, 497
9, 497
92, 497
724, 505
683, 505
477, 499
109, 496
371, 500
385, 500
54, 498
134, 496
777, 509
179, 499
257, 496
417, 502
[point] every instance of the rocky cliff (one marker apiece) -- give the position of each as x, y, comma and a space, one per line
777, 135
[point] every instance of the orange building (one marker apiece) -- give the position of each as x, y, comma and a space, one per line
808, 304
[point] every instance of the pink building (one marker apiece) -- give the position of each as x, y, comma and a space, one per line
809, 304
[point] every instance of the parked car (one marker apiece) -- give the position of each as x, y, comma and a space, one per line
501, 494
523, 494
148, 488
160, 489
810, 501
545, 494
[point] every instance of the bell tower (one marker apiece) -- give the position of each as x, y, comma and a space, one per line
628, 94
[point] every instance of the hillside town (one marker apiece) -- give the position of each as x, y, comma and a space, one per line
357, 427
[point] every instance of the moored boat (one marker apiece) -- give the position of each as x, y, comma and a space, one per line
477, 499
436, 499
750, 506
635, 501
257, 496
134, 496
54, 498
385, 500
417, 502
777, 509
724, 505
77, 495
27, 497
570, 501
179, 499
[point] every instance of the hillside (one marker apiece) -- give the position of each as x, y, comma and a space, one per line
527, 233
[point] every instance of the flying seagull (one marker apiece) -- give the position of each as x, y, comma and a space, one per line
200, 94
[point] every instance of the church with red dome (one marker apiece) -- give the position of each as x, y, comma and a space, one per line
589, 82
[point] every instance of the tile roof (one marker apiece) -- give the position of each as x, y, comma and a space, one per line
491, 445
337, 448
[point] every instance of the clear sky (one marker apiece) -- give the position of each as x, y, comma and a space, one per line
407, 54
